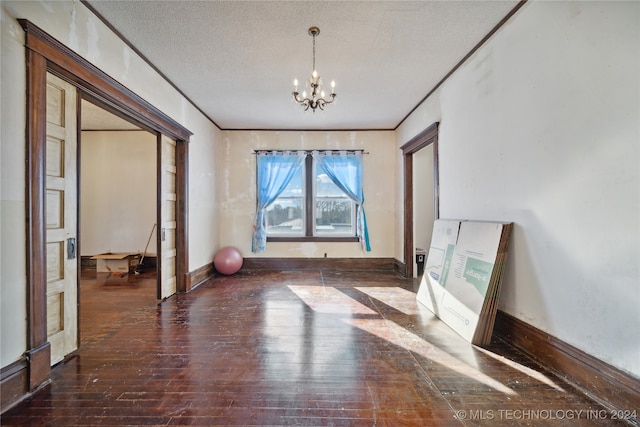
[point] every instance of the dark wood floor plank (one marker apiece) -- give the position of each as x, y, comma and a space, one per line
273, 348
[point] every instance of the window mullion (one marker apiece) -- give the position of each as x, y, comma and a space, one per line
309, 185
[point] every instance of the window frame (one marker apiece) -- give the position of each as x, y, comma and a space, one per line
309, 236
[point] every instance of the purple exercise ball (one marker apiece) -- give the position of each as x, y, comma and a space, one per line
228, 260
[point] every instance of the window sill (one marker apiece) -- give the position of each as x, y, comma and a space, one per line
312, 239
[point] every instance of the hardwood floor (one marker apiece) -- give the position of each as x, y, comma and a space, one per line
312, 348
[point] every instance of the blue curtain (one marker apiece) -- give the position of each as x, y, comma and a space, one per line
345, 170
275, 170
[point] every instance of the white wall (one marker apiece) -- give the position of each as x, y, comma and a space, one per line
75, 26
118, 195
237, 171
541, 127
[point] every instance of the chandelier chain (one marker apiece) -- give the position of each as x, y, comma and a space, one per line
314, 52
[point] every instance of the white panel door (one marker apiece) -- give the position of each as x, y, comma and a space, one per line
168, 202
61, 218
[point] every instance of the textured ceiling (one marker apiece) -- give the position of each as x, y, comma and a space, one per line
236, 60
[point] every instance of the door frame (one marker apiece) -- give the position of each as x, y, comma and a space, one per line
46, 54
423, 139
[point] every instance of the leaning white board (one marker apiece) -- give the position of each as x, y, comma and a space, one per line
463, 274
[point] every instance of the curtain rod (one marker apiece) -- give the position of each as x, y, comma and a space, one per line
311, 151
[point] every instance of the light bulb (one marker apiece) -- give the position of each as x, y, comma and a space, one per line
295, 83
314, 74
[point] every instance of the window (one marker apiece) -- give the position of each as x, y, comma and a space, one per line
310, 196
311, 205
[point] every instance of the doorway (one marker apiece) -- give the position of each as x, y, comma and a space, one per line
423, 203
117, 196
412, 160
45, 55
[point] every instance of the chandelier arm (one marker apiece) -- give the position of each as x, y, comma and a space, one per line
296, 97
332, 97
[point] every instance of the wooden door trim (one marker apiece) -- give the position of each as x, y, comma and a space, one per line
38, 354
45, 54
182, 216
69, 65
159, 206
426, 137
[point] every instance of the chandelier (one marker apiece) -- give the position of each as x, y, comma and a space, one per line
316, 98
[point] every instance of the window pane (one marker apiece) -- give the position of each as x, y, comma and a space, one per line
334, 216
284, 216
295, 186
326, 188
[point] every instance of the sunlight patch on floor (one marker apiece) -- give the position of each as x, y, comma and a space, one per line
401, 299
524, 369
399, 336
329, 300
